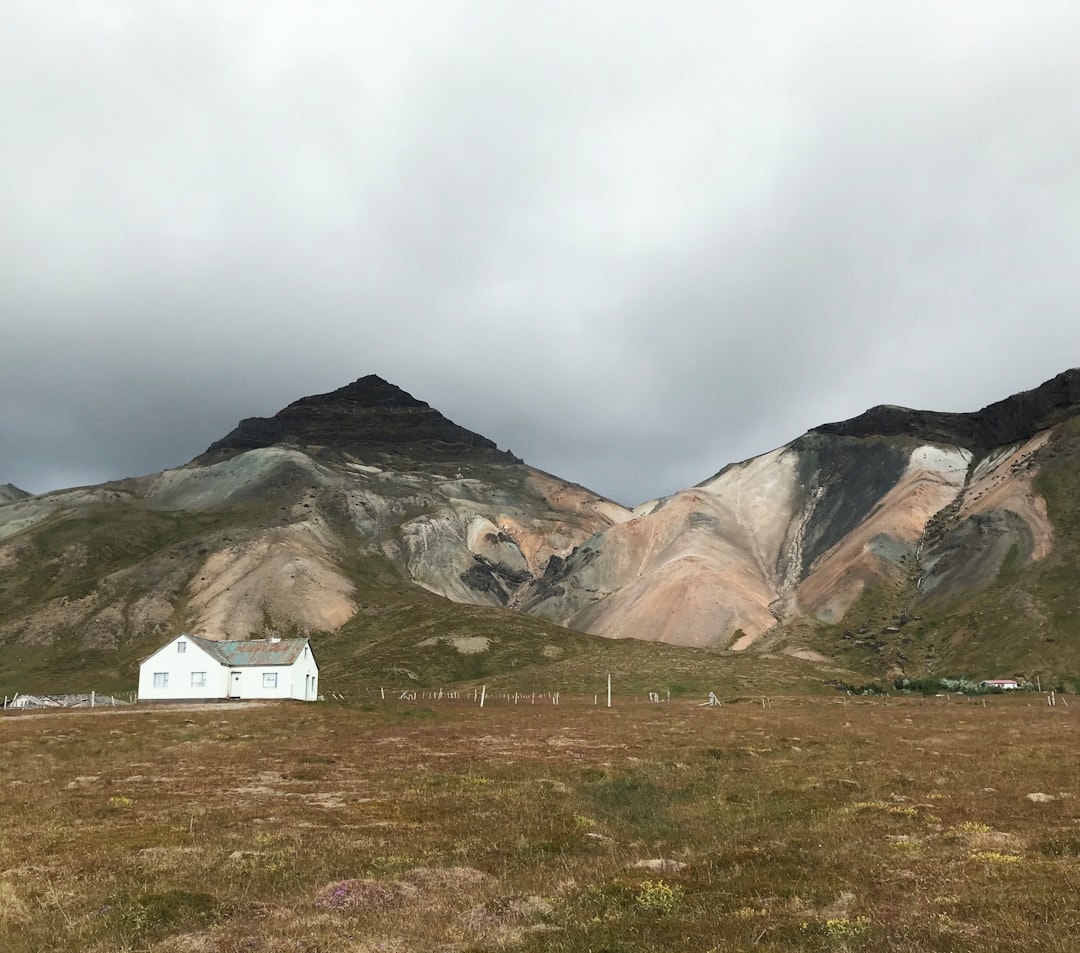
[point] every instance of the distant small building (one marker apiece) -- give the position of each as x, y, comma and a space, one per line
191, 668
1005, 684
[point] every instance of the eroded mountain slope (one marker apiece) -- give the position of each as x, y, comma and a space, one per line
801, 529
924, 504
238, 544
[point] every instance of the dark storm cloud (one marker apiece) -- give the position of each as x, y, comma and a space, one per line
633, 243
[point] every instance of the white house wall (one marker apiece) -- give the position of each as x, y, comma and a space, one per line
179, 667
299, 680
290, 680
302, 667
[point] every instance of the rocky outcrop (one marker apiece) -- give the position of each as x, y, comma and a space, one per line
367, 418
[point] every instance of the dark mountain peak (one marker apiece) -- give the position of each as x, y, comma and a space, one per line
1007, 421
369, 417
368, 391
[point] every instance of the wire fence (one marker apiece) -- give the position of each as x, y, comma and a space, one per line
72, 700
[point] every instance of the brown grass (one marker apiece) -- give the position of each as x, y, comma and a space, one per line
814, 824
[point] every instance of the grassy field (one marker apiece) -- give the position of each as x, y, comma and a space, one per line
804, 824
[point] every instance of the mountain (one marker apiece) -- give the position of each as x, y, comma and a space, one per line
341, 509
10, 493
871, 522
899, 541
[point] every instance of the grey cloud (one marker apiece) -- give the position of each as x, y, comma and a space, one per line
631, 244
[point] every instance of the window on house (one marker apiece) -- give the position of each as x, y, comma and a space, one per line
161, 679
269, 679
181, 647
198, 679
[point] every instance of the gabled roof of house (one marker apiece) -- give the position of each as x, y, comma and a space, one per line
251, 651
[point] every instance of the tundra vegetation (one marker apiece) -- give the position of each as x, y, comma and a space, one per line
797, 823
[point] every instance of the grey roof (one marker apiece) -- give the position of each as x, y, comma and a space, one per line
251, 651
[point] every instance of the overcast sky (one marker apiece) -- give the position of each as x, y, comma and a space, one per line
632, 242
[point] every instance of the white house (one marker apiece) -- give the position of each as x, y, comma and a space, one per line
191, 667
1005, 684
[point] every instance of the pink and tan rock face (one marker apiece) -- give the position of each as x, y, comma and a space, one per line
692, 569
933, 479
801, 530
288, 575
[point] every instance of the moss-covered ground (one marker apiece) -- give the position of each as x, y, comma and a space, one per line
806, 824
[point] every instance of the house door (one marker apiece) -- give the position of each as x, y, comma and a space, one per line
234, 685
